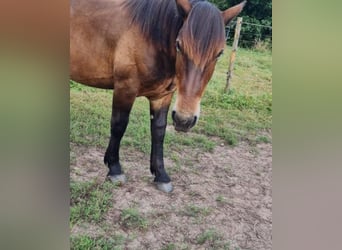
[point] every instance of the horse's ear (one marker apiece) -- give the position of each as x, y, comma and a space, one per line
184, 5
232, 12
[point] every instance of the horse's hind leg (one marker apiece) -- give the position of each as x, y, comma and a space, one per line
122, 105
158, 111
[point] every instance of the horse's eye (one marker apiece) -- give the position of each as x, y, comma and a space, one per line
219, 54
178, 47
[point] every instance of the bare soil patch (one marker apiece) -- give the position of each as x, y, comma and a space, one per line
227, 191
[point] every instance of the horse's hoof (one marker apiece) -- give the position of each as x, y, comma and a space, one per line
165, 187
118, 179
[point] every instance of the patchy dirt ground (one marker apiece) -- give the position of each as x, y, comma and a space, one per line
227, 190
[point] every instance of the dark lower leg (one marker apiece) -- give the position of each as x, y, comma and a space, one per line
120, 115
158, 126
119, 123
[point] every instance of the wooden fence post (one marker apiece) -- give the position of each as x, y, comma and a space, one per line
233, 54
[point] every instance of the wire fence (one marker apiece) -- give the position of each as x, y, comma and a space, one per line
257, 39
252, 34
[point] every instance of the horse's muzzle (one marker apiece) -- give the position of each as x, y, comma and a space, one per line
183, 124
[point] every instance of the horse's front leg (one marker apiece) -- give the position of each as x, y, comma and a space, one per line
158, 110
122, 104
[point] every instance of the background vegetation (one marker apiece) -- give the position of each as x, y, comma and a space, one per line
257, 12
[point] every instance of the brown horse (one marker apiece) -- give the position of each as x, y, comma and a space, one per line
148, 48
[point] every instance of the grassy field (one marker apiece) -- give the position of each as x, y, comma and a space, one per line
242, 115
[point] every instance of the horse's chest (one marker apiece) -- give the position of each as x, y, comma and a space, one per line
157, 77
158, 88
148, 70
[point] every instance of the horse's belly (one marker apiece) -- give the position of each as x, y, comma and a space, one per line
90, 63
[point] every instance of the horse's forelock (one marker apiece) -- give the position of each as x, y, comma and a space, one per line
203, 32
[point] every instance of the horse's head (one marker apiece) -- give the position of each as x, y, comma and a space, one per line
200, 42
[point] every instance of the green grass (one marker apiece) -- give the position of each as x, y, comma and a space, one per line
174, 246
131, 218
220, 199
170, 246
213, 239
89, 201
192, 210
264, 139
208, 235
243, 114
84, 242
90, 117
247, 109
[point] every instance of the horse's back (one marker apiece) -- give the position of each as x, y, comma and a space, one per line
95, 29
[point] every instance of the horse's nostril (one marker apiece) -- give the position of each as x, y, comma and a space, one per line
173, 114
194, 121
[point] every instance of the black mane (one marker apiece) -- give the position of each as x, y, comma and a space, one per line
159, 20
